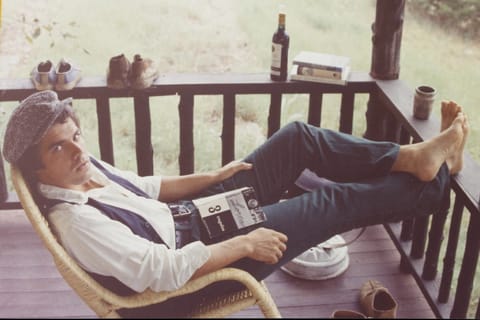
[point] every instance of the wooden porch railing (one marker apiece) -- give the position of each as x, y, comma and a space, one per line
388, 118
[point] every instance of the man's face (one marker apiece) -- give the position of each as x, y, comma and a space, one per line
64, 157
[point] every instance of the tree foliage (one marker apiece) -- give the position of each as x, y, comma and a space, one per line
462, 16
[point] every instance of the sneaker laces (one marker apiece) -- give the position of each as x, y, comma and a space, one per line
328, 246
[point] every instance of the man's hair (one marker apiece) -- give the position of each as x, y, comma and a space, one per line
31, 161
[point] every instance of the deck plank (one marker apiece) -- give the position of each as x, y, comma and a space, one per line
30, 285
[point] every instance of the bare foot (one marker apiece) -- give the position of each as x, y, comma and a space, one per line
424, 159
450, 109
449, 112
458, 161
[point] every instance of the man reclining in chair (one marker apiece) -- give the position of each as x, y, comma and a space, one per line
119, 226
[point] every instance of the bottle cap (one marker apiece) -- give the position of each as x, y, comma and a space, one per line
281, 14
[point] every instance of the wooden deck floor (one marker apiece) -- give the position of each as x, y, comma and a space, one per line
31, 287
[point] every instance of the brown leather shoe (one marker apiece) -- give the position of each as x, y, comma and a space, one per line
376, 300
347, 314
142, 73
117, 72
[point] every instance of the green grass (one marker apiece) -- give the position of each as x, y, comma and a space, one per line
229, 36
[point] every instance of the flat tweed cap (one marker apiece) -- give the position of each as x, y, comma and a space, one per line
30, 121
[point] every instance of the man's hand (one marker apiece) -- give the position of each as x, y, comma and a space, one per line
262, 244
231, 168
267, 245
174, 188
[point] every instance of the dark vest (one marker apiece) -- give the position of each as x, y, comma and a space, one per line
135, 222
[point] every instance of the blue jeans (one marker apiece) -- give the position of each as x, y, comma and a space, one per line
364, 191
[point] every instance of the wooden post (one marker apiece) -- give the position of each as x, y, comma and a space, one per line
105, 129
386, 40
275, 112
187, 147
143, 134
375, 117
228, 128
3, 183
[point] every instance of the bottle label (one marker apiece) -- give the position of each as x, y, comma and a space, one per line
276, 58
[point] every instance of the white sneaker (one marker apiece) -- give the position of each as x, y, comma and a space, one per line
43, 76
67, 75
327, 260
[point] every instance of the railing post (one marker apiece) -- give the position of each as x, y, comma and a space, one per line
228, 129
467, 270
186, 157
143, 134
385, 65
451, 251
3, 182
315, 109
105, 129
435, 239
375, 118
346, 113
274, 114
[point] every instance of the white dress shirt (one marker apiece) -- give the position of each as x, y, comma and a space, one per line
108, 247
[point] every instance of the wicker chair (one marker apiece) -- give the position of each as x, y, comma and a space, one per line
106, 303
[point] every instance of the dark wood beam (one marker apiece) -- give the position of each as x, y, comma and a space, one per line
386, 39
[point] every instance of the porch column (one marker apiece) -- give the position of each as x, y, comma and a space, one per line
386, 40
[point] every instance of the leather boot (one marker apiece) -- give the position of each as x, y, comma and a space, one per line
376, 301
143, 72
117, 72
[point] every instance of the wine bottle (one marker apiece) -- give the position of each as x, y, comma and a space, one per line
280, 42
